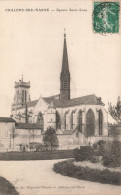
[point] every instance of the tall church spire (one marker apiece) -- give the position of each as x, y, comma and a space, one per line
65, 74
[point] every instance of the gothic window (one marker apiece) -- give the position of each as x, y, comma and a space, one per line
22, 96
90, 123
17, 95
72, 120
80, 121
40, 121
58, 121
100, 122
65, 122
25, 96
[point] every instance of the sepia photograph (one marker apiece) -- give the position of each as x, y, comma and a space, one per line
60, 106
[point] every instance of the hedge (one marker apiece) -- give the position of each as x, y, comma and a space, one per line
84, 153
112, 158
43, 155
67, 168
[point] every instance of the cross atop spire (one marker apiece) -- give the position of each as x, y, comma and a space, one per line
22, 77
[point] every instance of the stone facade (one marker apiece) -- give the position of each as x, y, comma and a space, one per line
85, 116
7, 125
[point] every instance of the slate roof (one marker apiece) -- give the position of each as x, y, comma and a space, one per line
27, 126
34, 102
84, 100
6, 119
29, 104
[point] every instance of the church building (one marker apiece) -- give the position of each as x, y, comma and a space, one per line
81, 120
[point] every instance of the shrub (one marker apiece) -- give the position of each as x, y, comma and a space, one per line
113, 157
50, 139
100, 147
69, 169
6, 188
111, 160
116, 147
95, 159
84, 153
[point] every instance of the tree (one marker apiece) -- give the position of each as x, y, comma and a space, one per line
13, 134
50, 138
115, 111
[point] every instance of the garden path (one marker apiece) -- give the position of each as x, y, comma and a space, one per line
37, 177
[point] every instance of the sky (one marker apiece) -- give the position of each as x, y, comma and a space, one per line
32, 43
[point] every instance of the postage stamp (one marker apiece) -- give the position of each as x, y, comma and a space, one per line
106, 17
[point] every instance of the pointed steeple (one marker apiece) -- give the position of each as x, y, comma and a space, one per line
65, 66
65, 74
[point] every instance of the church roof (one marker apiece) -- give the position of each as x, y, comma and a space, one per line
88, 100
29, 104
34, 102
59, 103
6, 119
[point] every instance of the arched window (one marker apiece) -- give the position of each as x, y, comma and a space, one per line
40, 121
80, 121
72, 120
25, 96
22, 96
100, 122
90, 123
65, 122
17, 96
58, 121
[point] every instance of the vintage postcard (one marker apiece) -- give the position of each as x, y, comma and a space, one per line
60, 106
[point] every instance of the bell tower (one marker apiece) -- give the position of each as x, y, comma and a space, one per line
22, 93
65, 74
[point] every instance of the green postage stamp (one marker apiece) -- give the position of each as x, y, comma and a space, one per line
106, 17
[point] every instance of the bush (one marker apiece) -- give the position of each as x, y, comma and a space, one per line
40, 155
116, 147
6, 188
100, 147
111, 160
50, 139
84, 153
95, 159
69, 169
113, 157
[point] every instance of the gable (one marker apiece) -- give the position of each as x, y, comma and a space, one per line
41, 105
